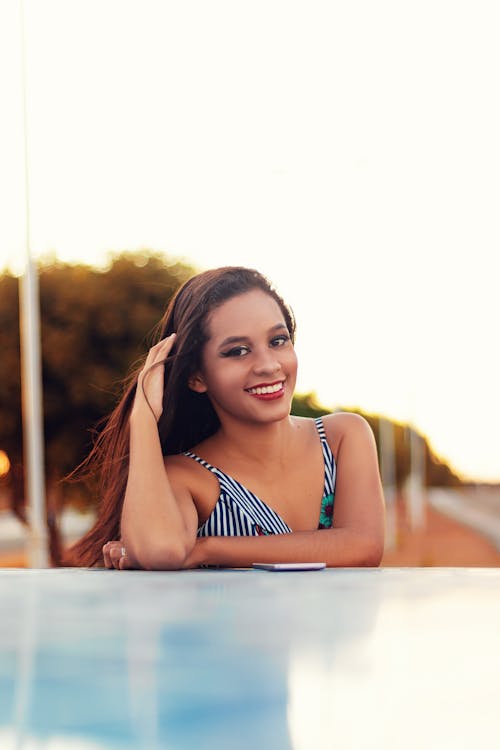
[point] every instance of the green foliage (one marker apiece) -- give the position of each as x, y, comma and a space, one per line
10, 390
94, 326
306, 405
437, 473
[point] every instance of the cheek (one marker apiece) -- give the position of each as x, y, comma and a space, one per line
221, 378
291, 360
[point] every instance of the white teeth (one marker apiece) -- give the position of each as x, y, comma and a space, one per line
267, 389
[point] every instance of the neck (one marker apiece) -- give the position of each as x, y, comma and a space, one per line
259, 443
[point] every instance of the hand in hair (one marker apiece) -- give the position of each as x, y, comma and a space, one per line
150, 383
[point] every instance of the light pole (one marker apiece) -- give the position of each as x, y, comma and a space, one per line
31, 367
388, 475
416, 481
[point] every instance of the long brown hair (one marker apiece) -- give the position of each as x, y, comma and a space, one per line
187, 417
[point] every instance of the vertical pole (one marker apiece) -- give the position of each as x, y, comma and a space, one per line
416, 480
415, 483
31, 368
388, 475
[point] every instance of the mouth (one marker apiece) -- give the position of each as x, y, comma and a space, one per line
267, 391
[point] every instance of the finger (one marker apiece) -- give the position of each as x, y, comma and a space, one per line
166, 343
161, 349
112, 553
105, 554
167, 340
115, 555
157, 356
125, 563
158, 353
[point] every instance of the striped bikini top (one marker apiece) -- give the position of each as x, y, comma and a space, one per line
238, 512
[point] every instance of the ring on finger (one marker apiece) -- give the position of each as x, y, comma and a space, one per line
123, 552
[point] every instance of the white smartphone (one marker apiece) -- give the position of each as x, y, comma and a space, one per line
289, 566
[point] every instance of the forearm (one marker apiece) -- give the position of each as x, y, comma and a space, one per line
152, 525
336, 547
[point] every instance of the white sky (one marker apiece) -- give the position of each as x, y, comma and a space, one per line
348, 149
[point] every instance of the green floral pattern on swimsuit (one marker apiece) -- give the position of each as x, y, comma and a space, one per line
260, 531
326, 514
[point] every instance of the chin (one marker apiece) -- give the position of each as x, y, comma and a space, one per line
276, 413
257, 412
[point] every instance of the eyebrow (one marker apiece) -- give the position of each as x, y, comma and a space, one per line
238, 339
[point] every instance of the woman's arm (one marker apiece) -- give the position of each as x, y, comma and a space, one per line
159, 521
158, 524
336, 547
357, 538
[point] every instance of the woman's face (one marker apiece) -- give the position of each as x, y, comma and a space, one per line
249, 365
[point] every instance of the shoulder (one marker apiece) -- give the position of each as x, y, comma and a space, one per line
347, 426
182, 469
186, 474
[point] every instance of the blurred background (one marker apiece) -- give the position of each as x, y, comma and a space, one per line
347, 150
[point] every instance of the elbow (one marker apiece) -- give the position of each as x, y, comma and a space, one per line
372, 551
164, 555
363, 549
162, 559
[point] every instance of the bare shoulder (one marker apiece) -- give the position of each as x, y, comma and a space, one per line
179, 466
343, 425
186, 474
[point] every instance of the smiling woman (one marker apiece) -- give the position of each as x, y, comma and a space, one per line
201, 463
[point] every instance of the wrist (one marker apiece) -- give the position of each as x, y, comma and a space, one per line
200, 555
141, 411
204, 550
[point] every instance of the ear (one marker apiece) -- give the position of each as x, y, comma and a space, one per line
197, 384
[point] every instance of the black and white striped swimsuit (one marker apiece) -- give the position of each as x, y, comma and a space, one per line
238, 512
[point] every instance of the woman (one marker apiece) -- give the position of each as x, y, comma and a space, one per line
201, 463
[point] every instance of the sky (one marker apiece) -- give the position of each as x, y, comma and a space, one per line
347, 149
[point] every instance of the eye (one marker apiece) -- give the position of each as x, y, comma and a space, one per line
280, 340
236, 351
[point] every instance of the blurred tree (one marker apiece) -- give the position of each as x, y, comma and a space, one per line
95, 325
306, 405
438, 473
10, 391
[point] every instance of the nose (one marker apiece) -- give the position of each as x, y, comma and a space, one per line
266, 362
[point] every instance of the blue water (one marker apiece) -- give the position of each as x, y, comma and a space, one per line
135, 660
249, 660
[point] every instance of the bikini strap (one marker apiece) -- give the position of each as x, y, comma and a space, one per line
321, 430
202, 462
330, 465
